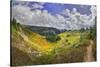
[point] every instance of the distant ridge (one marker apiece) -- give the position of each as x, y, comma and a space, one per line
46, 31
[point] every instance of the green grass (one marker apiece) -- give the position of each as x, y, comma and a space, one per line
70, 48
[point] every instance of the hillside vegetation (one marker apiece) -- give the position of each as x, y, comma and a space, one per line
34, 48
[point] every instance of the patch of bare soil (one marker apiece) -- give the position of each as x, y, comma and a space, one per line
89, 54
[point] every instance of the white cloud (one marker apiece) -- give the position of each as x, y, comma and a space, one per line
21, 13
41, 3
78, 21
43, 18
36, 5
66, 12
37, 17
93, 10
74, 10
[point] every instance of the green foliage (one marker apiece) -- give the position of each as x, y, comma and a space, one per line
82, 30
70, 55
15, 25
66, 40
53, 38
92, 34
73, 49
68, 35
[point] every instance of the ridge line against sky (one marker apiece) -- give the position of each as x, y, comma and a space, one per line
57, 15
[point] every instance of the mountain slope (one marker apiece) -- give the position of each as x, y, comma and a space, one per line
45, 31
34, 40
37, 49
28, 44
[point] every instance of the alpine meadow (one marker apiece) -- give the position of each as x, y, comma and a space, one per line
52, 33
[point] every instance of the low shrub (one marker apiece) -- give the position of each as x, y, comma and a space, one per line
53, 38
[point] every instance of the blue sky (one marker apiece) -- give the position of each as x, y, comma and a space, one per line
57, 15
56, 8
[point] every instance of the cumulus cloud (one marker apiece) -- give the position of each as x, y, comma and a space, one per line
38, 17
36, 6
78, 21
66, 12
22, 14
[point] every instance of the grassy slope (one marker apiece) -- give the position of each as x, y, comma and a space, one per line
26, 41
20, 55
33, 40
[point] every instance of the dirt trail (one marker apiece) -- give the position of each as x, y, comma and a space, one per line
89, 54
